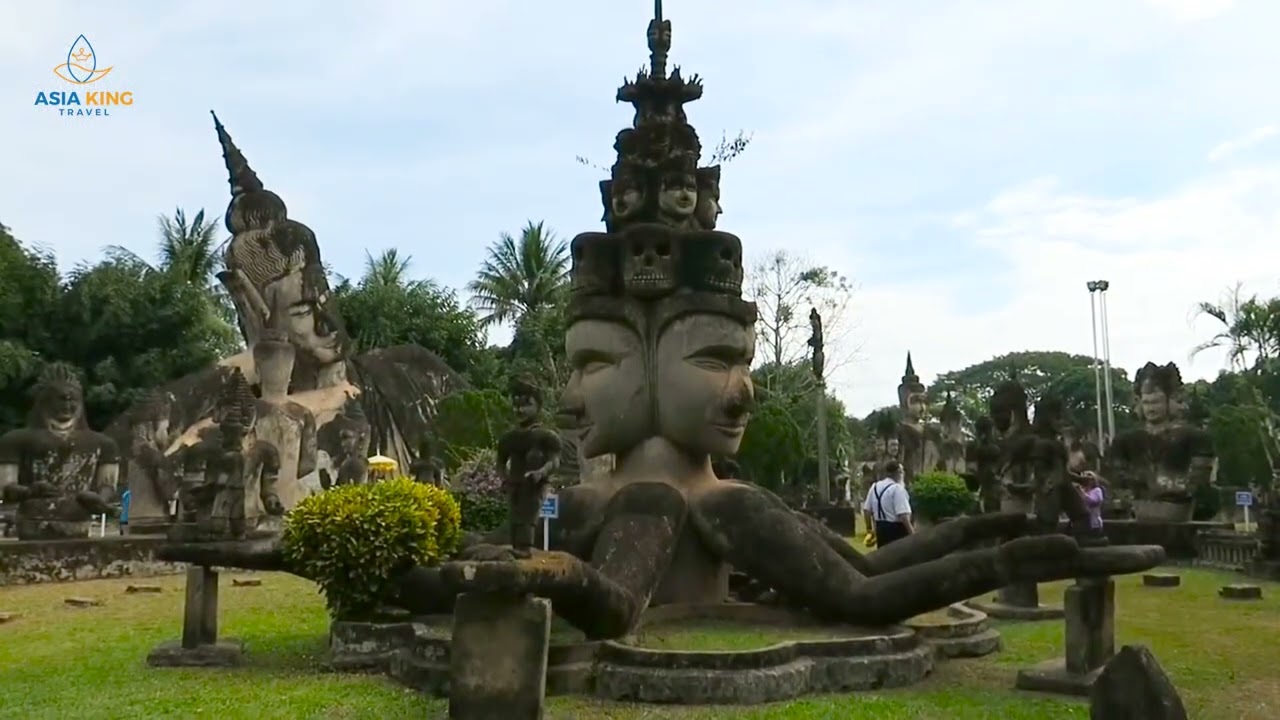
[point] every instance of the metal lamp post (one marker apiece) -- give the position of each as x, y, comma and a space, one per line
1102, 375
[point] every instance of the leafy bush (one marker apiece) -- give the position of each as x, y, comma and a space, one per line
353, 539
469, 420
480, 493
940, 495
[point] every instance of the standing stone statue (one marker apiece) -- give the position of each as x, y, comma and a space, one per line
982, 458
951, 454
526, 457
237, 496
1164, 462
913, 440
149, 473
816, 342
347, 435
57, 470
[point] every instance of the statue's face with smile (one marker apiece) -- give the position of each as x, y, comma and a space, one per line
705, 395
607, 397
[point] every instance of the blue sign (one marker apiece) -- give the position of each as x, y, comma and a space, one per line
550, 507
1244, 498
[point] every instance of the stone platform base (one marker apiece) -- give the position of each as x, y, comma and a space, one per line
1052, 677
226, 653
25, 562
1001, 611
963, 632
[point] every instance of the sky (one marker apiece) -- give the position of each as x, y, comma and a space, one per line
969, 164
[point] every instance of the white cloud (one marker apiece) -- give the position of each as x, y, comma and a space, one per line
1235, 145
1161, 254
1190, 11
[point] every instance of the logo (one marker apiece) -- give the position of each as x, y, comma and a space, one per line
82, 68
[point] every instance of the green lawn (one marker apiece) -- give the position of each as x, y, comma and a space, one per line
61, 662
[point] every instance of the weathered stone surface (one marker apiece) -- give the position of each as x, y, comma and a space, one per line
771, 674
360, 646
9, 617
134, 589
1090, 618
224, 653
1000, 611
39, 561
83, 602
1053, 677
1133, 686
964, 632
499, 657
1240, 592
246, 582
1161, 580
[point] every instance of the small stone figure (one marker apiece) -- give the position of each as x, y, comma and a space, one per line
819, 360
239, 472
526, 457
348, 434
982, 457
57, 470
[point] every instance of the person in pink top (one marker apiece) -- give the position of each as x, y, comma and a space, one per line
1091, 493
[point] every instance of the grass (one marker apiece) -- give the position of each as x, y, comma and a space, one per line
61, 662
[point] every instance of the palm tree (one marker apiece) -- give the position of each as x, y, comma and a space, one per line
188, 250
520, 276
387, 269
1249, 327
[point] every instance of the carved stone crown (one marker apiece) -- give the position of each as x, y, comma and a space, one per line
59, 374
1166, 377
650, 261
237, 403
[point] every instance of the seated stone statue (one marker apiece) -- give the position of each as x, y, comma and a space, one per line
276, 279
58, 471
151, 476
348, 433
236, 497
1162, 463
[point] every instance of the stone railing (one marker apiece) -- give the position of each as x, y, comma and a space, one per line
1226, 549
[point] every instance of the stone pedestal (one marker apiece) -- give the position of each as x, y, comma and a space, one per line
200, 646
1090, 608
1019, 601
498, 663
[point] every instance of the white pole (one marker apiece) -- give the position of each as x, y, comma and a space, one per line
1097, 363
1246, 518
102, 527
546, 533
1106, 362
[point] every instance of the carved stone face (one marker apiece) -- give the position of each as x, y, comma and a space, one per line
311, 327
626, 201
606, 397
62, 405
679, 196
892, 447
708, 206
527, 407
705, 395
1154, 403
917, 403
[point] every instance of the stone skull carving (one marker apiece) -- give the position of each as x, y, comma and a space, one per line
649, 262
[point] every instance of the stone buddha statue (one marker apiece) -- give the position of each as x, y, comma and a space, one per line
235, 497
58, 471
1008, 411
916, 445
152, 476
951, 453
276, 279
287, 425
1167, 459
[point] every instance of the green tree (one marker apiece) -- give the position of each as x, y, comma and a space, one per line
29, 290
520, 276
469, 421
386, 307
1249, 329
1070, 377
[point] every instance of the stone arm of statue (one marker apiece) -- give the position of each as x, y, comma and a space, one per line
251, 309
269, 458
549, 445
308, 447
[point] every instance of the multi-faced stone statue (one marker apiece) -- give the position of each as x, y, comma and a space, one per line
152, 477
1164, 462
58, 471
526, 457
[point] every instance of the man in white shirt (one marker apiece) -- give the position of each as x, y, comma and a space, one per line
887, 508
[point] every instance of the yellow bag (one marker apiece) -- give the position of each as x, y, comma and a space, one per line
869, 540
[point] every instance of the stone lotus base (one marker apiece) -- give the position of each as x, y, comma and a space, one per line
957, 632
224, 653
416, 652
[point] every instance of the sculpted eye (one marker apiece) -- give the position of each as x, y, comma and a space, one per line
709, 363
593, 366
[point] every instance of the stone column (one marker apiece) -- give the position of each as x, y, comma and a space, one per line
199, 646
1090, 607
498, 658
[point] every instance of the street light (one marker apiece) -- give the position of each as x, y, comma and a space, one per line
1102, 385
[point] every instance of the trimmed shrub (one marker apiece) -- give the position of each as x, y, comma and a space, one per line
939, 495
353, 540
480, 493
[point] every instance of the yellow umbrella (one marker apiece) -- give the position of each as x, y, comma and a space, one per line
382, 467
